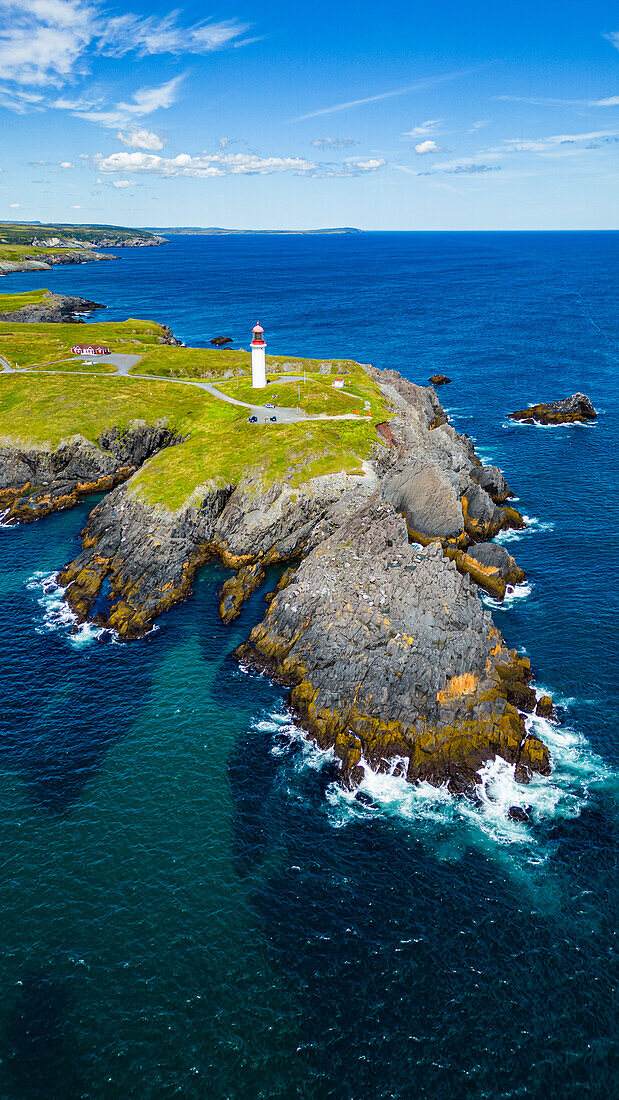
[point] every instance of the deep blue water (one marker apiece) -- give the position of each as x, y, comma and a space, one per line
190, 906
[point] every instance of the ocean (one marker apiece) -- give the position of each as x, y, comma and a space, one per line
190, 904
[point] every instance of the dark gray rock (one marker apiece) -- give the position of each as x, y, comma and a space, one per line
576, 408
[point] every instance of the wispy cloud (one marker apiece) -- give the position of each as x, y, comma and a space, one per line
428, 83
613, 38
124, 114
45, 42
544, 101
333, 143
211, 165
479, 125
425, 128
541, 145
153, 35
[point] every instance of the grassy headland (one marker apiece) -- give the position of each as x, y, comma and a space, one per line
25, 345
11, 303
44, 409
23, 233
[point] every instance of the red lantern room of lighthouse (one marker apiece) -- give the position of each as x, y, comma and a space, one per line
258, 334
258, 358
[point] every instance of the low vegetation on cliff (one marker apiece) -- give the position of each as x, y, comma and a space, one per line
45, 343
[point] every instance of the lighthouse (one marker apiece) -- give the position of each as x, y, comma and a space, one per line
258, 358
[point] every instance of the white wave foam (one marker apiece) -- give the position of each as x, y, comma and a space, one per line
536, 424
57, 616
513, 594
451, 822
533, 526
6, 526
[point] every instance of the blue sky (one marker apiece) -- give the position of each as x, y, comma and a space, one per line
401, 115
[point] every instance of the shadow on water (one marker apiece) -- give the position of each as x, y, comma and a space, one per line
42, 1059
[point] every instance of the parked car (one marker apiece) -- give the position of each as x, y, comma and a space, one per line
252, 419
269, 405
273, 420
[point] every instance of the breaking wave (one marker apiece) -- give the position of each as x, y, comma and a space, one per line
57, 617
533, 526
502, 812
513, 595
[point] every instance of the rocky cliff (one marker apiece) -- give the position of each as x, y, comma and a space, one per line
35, 481
55, 308
377, 623
45, 261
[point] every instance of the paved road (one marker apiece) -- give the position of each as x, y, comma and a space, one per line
123, 364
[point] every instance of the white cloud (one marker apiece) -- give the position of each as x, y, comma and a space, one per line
44, 42
147, 100
480, 125
333, 143
143, 102
540, 145
613, 38
14, 206
427, 147
141, 139
210, 165
151, 35
429, 127
66, 164
121, 184
207, 165
76, 208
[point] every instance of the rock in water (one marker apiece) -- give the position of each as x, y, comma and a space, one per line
393, 654
219, 341
572, 410
440, 380
545, 707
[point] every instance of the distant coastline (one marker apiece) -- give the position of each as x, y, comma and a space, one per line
217, 231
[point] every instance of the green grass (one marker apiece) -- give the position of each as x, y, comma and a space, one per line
77, 366
17, 252
224, 450
24, 345
40, 409
9, 303
316, 396
47, 408
20, 233
171, 362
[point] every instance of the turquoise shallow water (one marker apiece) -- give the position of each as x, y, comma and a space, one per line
190, 904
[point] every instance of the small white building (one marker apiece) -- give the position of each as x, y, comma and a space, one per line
258, 358
338, 383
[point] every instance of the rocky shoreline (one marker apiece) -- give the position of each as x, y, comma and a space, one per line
54, 308
377, 624
52, 259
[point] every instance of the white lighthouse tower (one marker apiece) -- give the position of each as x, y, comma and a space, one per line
258, 358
